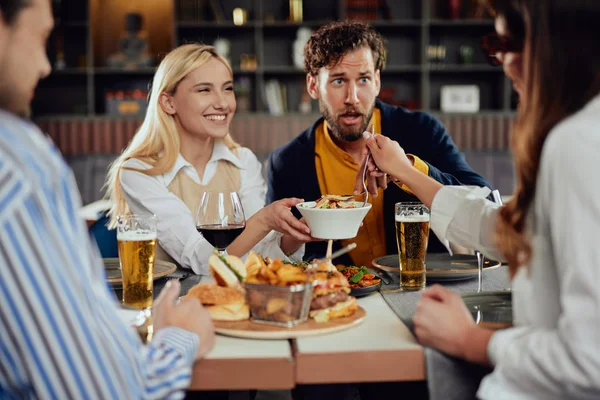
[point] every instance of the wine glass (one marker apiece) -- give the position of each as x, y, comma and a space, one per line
480, 260
220, 218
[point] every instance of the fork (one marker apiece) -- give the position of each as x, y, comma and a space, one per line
364, 177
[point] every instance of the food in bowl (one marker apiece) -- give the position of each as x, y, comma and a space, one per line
334, 223
332, 201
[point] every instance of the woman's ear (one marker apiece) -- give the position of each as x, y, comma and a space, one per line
166, 103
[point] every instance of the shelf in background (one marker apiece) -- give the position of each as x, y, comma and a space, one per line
114, 71
281, 69
401, 68
215, 25
68, 71
396, 23
289, 24
462, 23
461, 68
74, 24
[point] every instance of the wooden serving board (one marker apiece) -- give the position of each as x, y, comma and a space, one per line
252, 330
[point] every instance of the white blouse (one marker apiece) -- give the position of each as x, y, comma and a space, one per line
553, 352
176, 225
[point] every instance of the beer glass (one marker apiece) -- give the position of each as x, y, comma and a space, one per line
412, 235
136, 235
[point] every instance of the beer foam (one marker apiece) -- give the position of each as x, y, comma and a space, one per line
412, 218
136, 236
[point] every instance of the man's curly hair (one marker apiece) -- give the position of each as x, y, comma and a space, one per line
331, 42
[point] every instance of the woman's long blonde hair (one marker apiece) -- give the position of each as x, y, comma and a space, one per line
158, 133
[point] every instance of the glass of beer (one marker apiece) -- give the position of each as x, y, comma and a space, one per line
136, 235
412, 235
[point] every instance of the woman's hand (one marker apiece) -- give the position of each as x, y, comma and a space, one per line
387, 158
443, 321
278, 216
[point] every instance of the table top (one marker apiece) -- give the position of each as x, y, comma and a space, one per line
380, 349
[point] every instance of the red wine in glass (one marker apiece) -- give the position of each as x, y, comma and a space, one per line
220, 236
220, 218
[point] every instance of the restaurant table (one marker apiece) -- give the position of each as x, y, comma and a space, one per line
380, 349
448, 378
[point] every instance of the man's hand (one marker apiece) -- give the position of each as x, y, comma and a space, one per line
188, 315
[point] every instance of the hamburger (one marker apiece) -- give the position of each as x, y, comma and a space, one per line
331, 297
225, 299
223, 303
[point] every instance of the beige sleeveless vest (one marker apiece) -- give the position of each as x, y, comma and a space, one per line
226, 179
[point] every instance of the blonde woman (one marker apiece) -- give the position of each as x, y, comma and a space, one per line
183, 149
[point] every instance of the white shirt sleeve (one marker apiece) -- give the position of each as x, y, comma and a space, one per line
253, 192
562, 361
177, 233
462, 215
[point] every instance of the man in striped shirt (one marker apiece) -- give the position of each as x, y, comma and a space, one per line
60, 335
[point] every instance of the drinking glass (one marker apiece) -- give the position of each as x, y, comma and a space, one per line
136, 237
220, 218
412, 236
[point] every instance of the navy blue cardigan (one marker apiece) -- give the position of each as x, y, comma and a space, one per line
292, 171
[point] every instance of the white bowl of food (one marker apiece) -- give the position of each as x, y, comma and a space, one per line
334, 217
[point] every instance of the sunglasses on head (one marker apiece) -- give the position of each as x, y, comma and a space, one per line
493, 44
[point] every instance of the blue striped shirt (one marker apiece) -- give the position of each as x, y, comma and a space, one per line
60, 335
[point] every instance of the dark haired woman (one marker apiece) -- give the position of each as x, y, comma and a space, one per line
547, 232
505, 46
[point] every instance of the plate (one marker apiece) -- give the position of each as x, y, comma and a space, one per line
113, 270
490, 309
364, 291
251, 330
441, 266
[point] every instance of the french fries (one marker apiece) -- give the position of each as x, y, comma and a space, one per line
273, 273
276, 303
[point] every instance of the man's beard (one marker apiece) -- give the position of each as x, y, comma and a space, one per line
342, 132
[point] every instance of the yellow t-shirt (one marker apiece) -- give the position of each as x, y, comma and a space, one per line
336, 172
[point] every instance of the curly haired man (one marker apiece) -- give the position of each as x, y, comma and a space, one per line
343, 63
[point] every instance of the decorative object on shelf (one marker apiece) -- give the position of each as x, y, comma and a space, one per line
248, 62
460, 98
302, 36
455, 8
276, 97
466, 54
223, 48
126, 103
133, 52
436, 54
479, 9
242, 94
368, 10
296, 11
240, 16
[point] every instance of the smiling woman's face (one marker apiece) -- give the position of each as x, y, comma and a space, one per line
204, 102
512, 62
